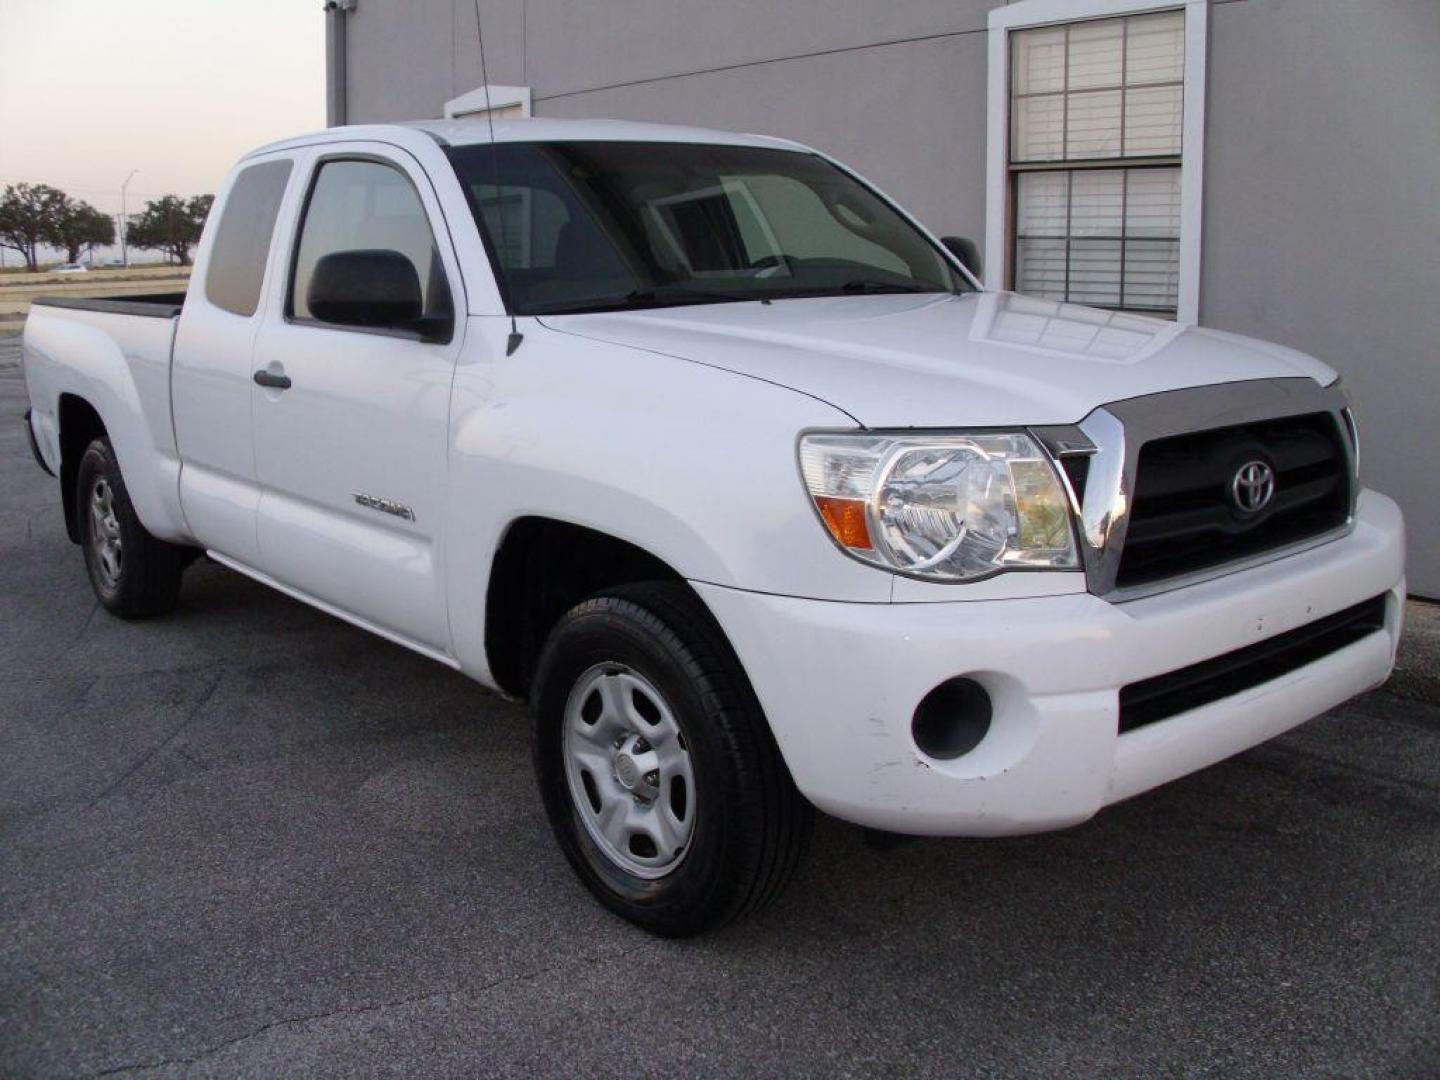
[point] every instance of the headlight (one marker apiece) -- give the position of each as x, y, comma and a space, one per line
943, 507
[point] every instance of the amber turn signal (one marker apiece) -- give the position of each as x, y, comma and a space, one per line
845, 518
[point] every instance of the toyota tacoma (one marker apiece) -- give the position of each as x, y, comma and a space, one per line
714, 455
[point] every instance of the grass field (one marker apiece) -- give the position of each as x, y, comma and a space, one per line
18, 289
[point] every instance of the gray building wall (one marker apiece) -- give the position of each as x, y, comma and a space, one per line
1322, 218
1322, 150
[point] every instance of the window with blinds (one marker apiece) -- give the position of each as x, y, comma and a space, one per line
1095, 150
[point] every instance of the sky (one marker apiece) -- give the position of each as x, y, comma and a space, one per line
178, 89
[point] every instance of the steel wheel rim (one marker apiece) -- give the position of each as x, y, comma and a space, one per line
629, 770
105, 533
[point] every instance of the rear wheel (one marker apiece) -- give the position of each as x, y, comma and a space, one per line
133, 574
660, 777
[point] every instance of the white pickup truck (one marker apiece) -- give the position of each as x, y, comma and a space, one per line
717, 457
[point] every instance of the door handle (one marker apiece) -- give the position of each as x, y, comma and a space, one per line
272, 380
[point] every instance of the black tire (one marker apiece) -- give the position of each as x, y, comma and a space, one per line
751, 825
145, 580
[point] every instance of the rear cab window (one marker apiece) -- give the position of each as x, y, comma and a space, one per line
242, 244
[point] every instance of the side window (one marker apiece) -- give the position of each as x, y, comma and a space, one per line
369, 214
242, 245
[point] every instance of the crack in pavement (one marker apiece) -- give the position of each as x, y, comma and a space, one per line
84, 626
311, 1018
33, 678
189, 716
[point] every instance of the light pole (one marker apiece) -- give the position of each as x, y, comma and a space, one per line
124, 220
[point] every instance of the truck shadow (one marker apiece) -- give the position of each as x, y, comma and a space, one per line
1238, 841
254, 804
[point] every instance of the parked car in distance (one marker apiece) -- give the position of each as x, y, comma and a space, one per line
705, 448
69, 268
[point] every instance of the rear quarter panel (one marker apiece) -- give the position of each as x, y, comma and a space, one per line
120, 365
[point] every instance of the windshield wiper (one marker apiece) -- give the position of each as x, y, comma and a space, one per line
871, 285
649, 296
676, 295
680, 294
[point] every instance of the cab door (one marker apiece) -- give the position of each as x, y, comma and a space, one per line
351, 397
210, 387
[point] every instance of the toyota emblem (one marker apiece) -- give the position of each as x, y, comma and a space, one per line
1253, 487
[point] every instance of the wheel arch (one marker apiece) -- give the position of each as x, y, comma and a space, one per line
80, 424
543, 566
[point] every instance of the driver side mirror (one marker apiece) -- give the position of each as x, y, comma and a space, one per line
374, 288
964, 250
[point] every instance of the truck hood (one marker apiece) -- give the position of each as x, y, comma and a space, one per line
948, 361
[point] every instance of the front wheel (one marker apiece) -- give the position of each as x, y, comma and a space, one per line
133, 573
659, 774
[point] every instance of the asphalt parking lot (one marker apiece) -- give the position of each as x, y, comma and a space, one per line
250, 840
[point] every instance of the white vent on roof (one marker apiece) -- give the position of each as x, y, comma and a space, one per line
503, 103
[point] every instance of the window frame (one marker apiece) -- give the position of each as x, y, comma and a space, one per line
287, 299
1001, 177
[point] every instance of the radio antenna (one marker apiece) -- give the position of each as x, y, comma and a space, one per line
513, 342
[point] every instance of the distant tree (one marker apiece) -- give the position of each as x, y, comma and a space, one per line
29, 214
79, 225
170, 224
199, 207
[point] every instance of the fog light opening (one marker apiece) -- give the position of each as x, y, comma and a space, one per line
951, 719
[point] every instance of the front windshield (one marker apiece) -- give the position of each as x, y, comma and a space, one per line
600, 226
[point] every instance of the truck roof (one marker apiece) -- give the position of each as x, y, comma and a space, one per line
465, 132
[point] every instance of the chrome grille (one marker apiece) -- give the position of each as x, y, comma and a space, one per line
1152, 492
1185, 517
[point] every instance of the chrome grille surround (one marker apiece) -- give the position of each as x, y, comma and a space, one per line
1113, 435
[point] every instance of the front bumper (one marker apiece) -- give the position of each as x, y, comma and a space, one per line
840, 682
